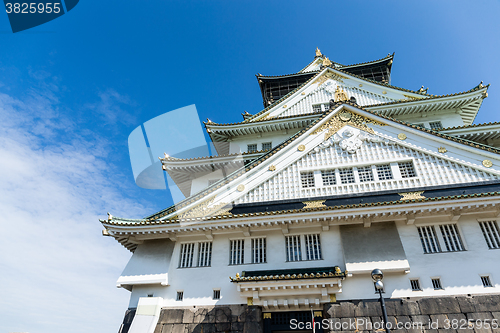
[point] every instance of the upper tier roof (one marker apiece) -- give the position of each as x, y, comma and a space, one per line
275, 87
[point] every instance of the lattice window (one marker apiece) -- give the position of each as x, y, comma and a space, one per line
204, 254
267, 145
180, 296
293, 248
216, 294
252, 148
384, 172
317, 108
429, 240
313, 247
435, 125
436, 283
451, 237
346, 176
415, 285
258, 250
187, 254
491, 234
365, 174
237, 252
328, 177
485, 279
307, 179
407, 169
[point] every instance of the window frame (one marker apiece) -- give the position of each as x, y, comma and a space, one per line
195, 256
486, 278
439, 282
252, 150
415, 284
492, 235
303, 251
440, 238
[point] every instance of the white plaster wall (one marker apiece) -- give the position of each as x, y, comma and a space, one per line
198, 282
448, 118
239, 144
459, 271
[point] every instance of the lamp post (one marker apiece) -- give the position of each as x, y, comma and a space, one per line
377, 277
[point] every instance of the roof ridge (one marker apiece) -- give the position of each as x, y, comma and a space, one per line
470, 126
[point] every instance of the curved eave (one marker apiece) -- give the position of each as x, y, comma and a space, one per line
207, 164
338, 65
222, 132
476, 133
130, 233
468, 104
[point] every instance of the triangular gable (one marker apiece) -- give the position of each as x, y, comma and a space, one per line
331, 84
326, 145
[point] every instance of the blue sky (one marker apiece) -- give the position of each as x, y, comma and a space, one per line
72, 90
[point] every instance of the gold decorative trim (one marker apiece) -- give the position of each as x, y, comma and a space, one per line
442, 150
487, 163
412, 97
340, 95
329, 75
360, 85
284, 106
303, 93
249, 300
337, 122
412, 195
318, 54
333, 298
384, 92
241, 187
402, 136
204, 209
326, 62
314, 204
301, 147
318, 314
272, 168
267, 315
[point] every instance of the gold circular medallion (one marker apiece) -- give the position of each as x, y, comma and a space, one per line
284, 106
487, 163
345, 116
384, 92
402, 136
241, 188
360, 84
272, 168
301, 148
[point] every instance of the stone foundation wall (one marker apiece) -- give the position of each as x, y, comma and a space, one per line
227, 319
435, 314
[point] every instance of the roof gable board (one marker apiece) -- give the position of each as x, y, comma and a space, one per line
342, 138
322, 89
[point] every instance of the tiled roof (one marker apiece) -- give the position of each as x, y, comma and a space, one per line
470, 126
289, 274
267, 155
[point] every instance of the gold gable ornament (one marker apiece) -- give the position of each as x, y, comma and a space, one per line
318, 53
344, 118
327, 62
412, 195
340, 95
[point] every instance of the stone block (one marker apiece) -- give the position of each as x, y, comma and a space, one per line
171, 316
423, 319
441, 305
222, 327
348, 324
487, 303
188, 316
439, 321
223, 315
158, 328
237, 326
237, 309
252, 327
204, 315
402, 307
480, 316
367, 309
251, 314
496, 315
466, 304
402, 320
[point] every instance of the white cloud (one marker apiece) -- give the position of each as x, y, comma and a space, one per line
57, 272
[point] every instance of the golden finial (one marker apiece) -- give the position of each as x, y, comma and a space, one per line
237, 275
318, 53
209, 121
326, 62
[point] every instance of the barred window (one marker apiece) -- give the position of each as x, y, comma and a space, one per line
204, 254
365, 174
415, 285
486, 281
216, 294
429, 240
252, 148
267, 146
236, 252
384, 172
407, 170
346, 176
180, 296
187, 253
293, 250
317, 108
451, 237
258, 250
436, 283
328, 177
313, 247
307, 179
435, 125
491, 234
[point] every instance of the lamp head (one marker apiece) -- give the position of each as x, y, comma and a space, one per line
379, 285
377, 275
